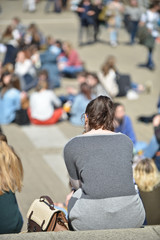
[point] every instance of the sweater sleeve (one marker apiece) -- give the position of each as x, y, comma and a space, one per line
72, 58
70, 161
56, 101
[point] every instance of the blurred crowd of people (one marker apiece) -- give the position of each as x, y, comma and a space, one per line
31, 70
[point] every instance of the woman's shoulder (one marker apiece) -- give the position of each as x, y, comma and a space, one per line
116, 138
13, 92
72, 143
5, 195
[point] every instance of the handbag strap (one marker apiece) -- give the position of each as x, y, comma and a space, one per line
49, 201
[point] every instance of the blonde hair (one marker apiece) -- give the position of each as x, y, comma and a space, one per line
146, 175
11, 169
69, 47
109, 64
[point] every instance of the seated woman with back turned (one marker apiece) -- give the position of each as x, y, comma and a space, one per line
99, 164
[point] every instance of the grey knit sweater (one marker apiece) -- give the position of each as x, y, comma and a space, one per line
100, 168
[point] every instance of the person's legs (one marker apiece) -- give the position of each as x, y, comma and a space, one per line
152, 148
150, 63
80, 34
113, 37
72, 69
48, 4
133, 31
55, 117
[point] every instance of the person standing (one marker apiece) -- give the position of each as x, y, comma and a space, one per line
86, 14
114, 11
134, 14
149, 22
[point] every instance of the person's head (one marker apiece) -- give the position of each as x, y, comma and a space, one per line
32, 28
97, 2
50, 40
32, 49
119, 112
86, 2
8, 68
6, 79
86, 90
42, 85
43, 75
81, 77
92, 79
99, 114
134, 3
11, 170
146, 175
155, 5
15, 21
58, 43
3, 137
15, 81
21, 57
109, 64
67, 47
7, 32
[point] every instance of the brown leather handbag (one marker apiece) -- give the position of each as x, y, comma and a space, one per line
42, 216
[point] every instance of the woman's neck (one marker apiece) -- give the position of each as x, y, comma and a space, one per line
99, 131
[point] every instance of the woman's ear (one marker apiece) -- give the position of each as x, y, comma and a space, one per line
86, 126
86, 118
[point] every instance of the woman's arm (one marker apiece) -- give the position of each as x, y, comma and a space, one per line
70, 161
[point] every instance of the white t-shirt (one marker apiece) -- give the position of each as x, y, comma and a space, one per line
151, 19
109, 83
26, 67
42, 104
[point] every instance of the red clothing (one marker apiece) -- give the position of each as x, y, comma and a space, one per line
55, 117
73, 59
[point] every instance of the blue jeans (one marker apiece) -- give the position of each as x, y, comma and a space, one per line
134, 28
114, 32
152, 148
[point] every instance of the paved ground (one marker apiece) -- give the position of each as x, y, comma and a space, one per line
41, 148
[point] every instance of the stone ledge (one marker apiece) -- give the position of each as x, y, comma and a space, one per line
148, 233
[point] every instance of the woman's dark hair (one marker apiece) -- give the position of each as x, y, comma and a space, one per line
117, 104
14, 82
154, 3
100, 113
94, 75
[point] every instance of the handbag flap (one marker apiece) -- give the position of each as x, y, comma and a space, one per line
41, 213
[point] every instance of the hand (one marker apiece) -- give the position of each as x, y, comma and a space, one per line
72, 90
23, 95
90, 13
69, 197
156, 121
80, 10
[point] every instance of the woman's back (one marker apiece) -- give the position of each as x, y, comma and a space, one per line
104, 169
102, 164
9, 103
10, 217
42, 104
